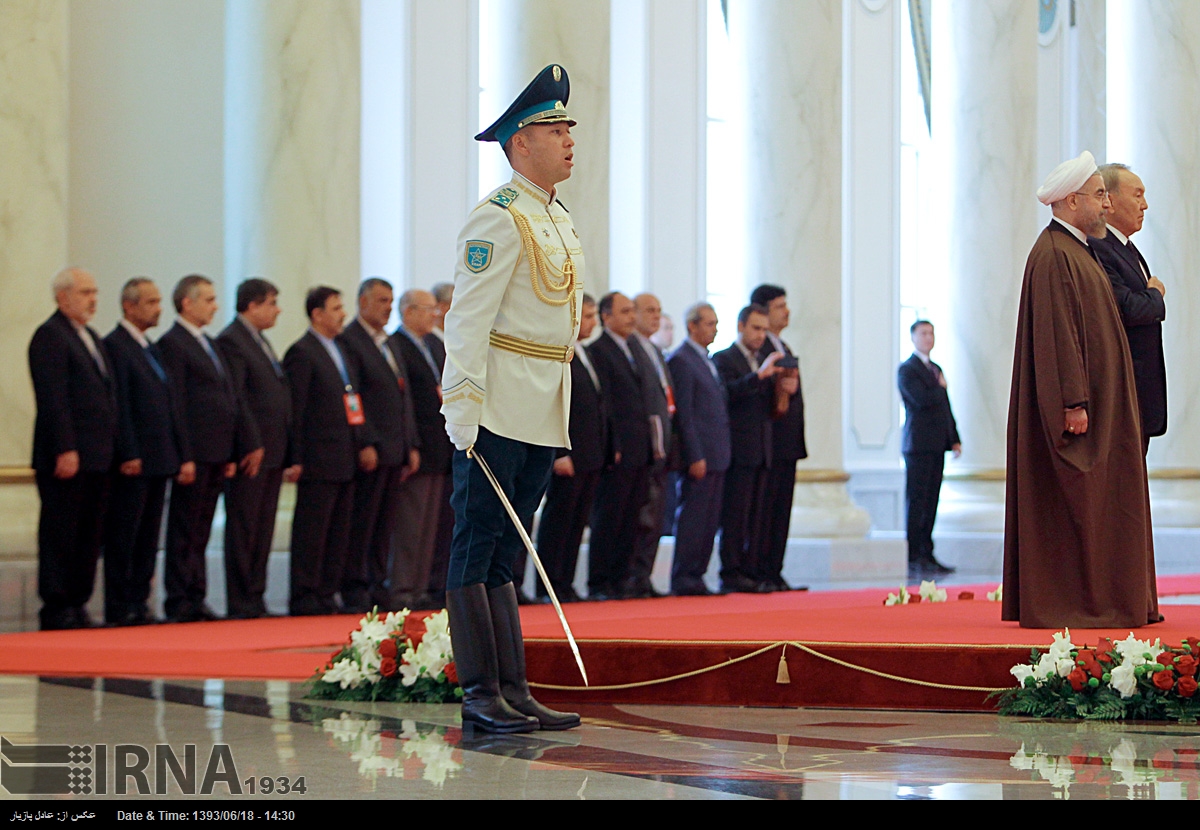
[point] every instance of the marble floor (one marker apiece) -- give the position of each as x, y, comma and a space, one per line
387, 751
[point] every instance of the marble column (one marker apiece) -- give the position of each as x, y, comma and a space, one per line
33, 196
1161, 131
33, 230
1071, 81
982, 108
791, 59
522, 37
292, 153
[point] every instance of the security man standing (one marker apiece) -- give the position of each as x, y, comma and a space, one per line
507, 393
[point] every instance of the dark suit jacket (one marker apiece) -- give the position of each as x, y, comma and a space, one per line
438, 348
264, 394
749, 409
322, 439
701, 410
149, 426
207, 403
928, 422
630, 419
1142, 311
387, 401
436, 449
76, 404
656, 397
591, 428
787, 434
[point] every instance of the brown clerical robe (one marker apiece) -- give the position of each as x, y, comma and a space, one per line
1078, 549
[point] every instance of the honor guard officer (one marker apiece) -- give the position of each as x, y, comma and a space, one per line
507, 394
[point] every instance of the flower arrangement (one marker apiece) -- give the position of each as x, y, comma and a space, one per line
1130, 678
399, 657
414, 751
927, 592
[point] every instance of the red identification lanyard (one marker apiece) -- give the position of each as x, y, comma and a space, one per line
354, 411
670, 399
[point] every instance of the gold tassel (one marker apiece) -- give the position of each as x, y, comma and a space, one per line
782, 675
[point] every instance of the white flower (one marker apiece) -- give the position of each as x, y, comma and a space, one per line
1062, 646
897, 599
1020, 760
346, 672
996, 595
1123, 679
437, 624
930, 592
370, 634
1021, 672
1064, 666
1046, 668
1137, 652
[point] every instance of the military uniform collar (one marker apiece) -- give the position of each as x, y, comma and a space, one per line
532, 189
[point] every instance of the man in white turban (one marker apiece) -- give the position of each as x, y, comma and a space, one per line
1078, 549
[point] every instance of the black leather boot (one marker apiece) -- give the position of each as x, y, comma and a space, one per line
510, 651
475, 659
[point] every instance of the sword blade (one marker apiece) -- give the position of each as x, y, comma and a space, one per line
533, 556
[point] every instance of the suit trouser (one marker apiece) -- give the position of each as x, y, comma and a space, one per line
486, 542
375, 515
781, 492
131, 534
560, 530
250, 507
649, 529
445, 535
696, 529
743, 523
922, 488
189, 523
320, 538
619, 496
418, 506
70, 529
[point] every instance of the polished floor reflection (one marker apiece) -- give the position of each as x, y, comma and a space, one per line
419, 751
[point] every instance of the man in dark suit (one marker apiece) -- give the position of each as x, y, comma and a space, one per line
702, 418
787, 435
929, 433
576, 471
422, 496
387, 402
622, 489
251, 500
443, 292
1139, 295
748, 383
331, 440
211, 414
149, 448
74, 440
660, 406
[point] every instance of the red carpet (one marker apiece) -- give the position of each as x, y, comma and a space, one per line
842, 649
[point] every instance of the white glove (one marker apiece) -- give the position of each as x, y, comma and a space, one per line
462, 435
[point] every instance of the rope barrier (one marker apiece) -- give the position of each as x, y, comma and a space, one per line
783, 645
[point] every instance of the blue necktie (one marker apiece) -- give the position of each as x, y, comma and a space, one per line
154, 364
212, 354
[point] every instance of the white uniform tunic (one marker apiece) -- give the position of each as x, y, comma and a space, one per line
518, 397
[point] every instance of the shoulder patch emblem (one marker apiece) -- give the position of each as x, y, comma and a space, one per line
505, 197
478, 256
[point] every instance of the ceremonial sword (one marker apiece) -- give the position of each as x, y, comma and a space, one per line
537, 562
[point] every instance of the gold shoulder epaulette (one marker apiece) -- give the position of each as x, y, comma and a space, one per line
505, 197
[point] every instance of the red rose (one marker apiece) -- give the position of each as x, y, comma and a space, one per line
966, 595
1187, 665
388, 650
1090, 664
451, 672
388, 667
1167, 659
414, 627
914, 599
1078, 679
1104, 649
1164, 680
1186, 686
1194, 642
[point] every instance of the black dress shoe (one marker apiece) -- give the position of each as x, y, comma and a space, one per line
206, 614
739, 584
691, 590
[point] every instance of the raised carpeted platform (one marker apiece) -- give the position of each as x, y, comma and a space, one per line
843, 649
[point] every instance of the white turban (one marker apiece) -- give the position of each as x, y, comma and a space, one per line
1067, 178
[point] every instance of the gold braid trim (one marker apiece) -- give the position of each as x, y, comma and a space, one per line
542, 271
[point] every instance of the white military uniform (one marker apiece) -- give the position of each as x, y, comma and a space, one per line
515, 317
